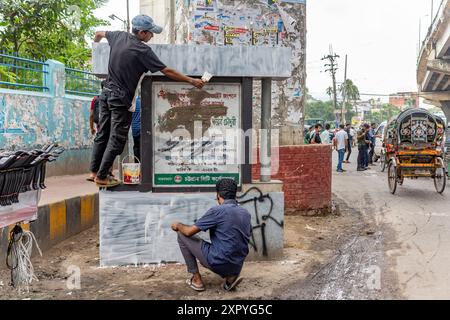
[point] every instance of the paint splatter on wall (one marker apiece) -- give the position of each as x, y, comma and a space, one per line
32, 120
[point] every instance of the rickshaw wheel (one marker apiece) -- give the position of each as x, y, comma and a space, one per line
392, 177
382, 161
440, 178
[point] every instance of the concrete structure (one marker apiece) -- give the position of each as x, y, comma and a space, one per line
433, 71
135, 227
67, 207
31, 119
135, 221
404, 100
254, 62
184, 24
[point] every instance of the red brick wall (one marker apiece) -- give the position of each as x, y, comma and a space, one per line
306, 173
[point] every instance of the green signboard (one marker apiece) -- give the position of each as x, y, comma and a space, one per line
196, 134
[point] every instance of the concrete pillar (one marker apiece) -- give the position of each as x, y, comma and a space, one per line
55, 79
445, 105
265, 144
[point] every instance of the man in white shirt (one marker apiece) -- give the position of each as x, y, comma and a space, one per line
325, 136
341, 144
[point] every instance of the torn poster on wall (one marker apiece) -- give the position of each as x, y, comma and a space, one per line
225, 25
195, 133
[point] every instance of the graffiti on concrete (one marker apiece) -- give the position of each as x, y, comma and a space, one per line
260, 218
135, 227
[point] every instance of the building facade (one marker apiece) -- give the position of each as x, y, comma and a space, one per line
403, 100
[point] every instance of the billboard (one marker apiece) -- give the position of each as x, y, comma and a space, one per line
195, 134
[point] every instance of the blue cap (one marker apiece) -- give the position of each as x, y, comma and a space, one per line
143, 22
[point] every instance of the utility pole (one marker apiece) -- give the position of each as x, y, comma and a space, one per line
172, 9
332, 68
128, 16
344, 93
432, 9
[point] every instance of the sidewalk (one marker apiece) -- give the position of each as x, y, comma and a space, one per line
66, 187
68, 206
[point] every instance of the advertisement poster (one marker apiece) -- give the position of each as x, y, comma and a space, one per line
233, 25
195, 135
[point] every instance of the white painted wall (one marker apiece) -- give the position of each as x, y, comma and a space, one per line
159, 11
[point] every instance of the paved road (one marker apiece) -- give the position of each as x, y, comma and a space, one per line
414, 226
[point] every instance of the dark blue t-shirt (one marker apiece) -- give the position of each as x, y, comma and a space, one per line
230, 229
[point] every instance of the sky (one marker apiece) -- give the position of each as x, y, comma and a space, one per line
380, 38
119, 8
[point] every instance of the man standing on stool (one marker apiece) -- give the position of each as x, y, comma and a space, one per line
129, 59
229, 228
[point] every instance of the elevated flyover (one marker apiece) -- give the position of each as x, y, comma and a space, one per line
433, 71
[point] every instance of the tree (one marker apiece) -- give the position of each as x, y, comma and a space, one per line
351, 92
320, 109
386, 112
49, 29
329, 92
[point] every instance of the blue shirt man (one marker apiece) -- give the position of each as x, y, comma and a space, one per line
136, 129
230, 229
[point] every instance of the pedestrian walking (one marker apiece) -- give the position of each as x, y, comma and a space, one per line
325, 135
309, 134
363, 144
371, 138
315, 137
341, 144
350, 142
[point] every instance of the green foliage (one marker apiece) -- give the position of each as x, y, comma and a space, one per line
6, 75
387, 111
49, 29
350, 89
320, 109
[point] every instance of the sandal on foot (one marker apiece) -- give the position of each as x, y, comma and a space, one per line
108, 184
90, 179
193, 286
229, 287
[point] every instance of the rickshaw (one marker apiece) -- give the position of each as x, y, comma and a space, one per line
414, 148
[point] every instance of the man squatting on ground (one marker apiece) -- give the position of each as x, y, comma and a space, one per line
230, 229
129, 59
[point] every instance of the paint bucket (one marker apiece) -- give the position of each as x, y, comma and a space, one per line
131, 171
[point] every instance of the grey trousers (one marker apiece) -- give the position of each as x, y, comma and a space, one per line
191, 248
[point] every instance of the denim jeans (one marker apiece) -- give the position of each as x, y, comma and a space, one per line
363, 157
349, 152
366, 157
360, 157
111, 137
341, 154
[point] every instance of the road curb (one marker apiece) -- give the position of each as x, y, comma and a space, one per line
57, 222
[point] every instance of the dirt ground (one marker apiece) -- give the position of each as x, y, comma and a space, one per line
310, 244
